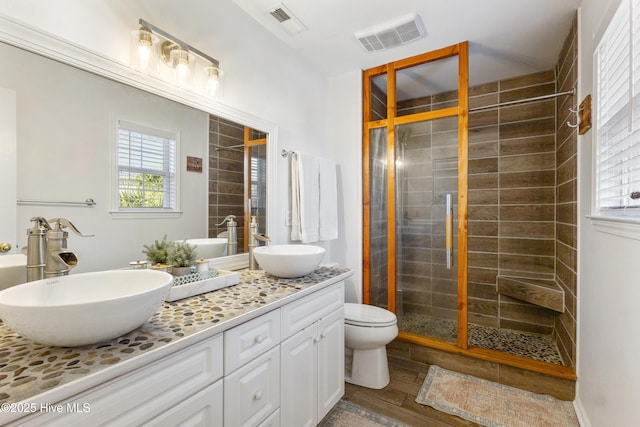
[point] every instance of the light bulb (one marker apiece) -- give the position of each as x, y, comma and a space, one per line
213, 80
182, 69
144, 53
212, 84
180, 58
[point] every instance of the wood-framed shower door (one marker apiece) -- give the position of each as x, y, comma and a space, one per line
461, 111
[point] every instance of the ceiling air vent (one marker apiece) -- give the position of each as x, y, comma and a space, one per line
288, 21
391, 34
280, 15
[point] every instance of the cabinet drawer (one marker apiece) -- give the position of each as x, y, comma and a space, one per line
273, 420
204, 409
252, 392
247, 341
145, 393
300, 314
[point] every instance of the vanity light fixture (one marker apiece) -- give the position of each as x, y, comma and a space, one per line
155, 52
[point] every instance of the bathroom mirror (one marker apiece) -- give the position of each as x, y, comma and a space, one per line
66, 121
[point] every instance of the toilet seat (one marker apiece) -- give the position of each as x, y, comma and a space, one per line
368, 316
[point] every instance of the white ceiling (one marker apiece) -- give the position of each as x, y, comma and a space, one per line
507, 38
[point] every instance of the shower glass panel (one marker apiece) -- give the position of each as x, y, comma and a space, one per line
426, 185
378, 100
378, 217
427, 87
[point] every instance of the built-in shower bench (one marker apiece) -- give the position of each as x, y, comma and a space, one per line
542, 292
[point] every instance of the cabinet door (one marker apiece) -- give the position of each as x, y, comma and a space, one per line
204, 409
252, 392
300, 379
330, 361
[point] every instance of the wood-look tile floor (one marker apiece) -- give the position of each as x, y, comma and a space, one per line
397, 400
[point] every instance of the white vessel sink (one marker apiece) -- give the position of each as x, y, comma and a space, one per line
13, 270
84, 308
289, 260
210, 248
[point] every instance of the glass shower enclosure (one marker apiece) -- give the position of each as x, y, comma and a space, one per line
414, 159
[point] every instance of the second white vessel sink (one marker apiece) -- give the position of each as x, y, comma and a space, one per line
289, 260
85, 308
13, 270
210, 248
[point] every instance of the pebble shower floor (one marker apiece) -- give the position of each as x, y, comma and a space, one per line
536, 347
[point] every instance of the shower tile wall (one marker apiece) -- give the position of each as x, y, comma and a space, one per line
566, 195
226, 176
511, 199
511, 207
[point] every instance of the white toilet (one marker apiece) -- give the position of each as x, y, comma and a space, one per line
367, 331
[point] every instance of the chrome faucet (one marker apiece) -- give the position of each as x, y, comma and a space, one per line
254, 238
47, 253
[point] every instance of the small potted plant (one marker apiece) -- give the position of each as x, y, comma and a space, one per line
181, 256
158, 254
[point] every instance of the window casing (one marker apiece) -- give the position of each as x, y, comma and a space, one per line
146, 170
617, 95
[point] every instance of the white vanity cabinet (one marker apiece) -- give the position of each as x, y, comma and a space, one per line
284, 367
313, 358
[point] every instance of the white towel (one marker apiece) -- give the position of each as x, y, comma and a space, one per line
305, 198
328, 200
294, 187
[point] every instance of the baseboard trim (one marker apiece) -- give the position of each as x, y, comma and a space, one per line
583, 419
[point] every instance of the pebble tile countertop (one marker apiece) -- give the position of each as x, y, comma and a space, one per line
27, 368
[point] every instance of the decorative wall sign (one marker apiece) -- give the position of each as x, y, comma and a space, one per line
194, 164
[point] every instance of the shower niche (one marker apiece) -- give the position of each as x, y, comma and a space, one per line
460, 195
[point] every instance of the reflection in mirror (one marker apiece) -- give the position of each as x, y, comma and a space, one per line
255, 180
66, 124
237, 178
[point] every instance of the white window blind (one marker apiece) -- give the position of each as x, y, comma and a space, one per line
146, 168
617, 66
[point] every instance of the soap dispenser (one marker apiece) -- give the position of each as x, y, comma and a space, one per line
232, 237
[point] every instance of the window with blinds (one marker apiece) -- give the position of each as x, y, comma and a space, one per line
146, 169
617, 68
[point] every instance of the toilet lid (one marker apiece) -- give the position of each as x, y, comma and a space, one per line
368, 315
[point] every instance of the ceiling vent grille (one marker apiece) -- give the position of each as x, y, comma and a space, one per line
280, 15
391, 34
289, 22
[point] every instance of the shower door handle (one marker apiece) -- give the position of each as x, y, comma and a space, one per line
449, 231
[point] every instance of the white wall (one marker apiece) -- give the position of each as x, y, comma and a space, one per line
8, 164
345, 141
264, 78
608, 293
